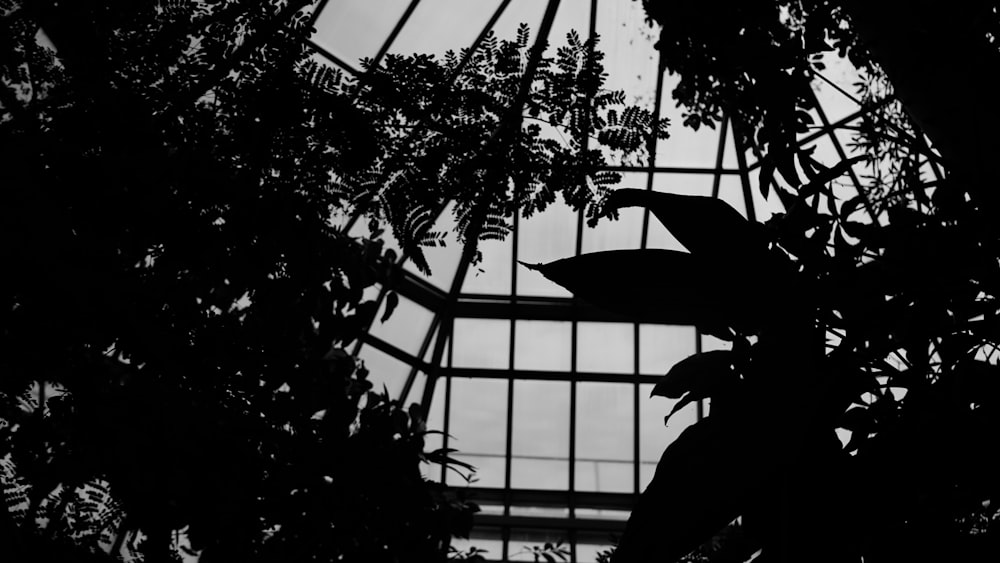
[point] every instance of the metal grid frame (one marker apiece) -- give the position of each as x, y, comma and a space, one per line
447, 306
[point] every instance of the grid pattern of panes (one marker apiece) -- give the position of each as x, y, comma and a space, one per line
546, 396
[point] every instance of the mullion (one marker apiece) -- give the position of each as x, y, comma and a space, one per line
719, 156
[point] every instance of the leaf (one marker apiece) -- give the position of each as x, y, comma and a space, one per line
838, 170
765, 178
391, 301
699, 374
704, 225
651, 285
693, 494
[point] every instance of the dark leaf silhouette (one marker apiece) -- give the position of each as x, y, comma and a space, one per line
651, 285
704, 225
700, 375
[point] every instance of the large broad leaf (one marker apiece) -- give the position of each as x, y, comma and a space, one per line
654, 285
700, 374
699, 487
704, 225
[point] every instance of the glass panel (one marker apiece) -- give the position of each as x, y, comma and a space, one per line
824, 152
602, 514
518, 12
489, 540
605, 347
653, 436
435, 421
384, 371
492, 274
406, 328
604, 476
662, 346
731, 192
684, 184
841, 72
729, 159
463, 20
417, 389
590, 544
540, 511
625, 233
630, 59
657, 236
478, 423
521, 542
355, 29
541, 435
572, 15
481, 343
533, 473
545, 237
604, 429
709, 343
685, 147
542, 345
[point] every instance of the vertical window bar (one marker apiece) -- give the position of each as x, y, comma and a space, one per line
450, 323
697, 350
741, 158
719, 156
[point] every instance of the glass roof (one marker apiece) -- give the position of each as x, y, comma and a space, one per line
546, 396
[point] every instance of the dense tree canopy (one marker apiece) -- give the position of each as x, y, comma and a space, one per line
181, 286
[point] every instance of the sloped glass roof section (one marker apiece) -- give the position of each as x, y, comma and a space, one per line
549, 397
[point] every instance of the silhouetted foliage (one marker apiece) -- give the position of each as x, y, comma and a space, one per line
179, 291
881, 330
872, 315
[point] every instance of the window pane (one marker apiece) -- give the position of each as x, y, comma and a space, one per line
544, 237
709, 343
604, 429
630, 59
662, 346
653, 436
605, 347
604, 476
416, 390
406, 328
492, 275
521, 542
589, 544
463, 19
384, 371
488, 539
542, 345
624, 233
480, 343
731, 192
478, 424
355, 29
541, 435
685, 147
435, 421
